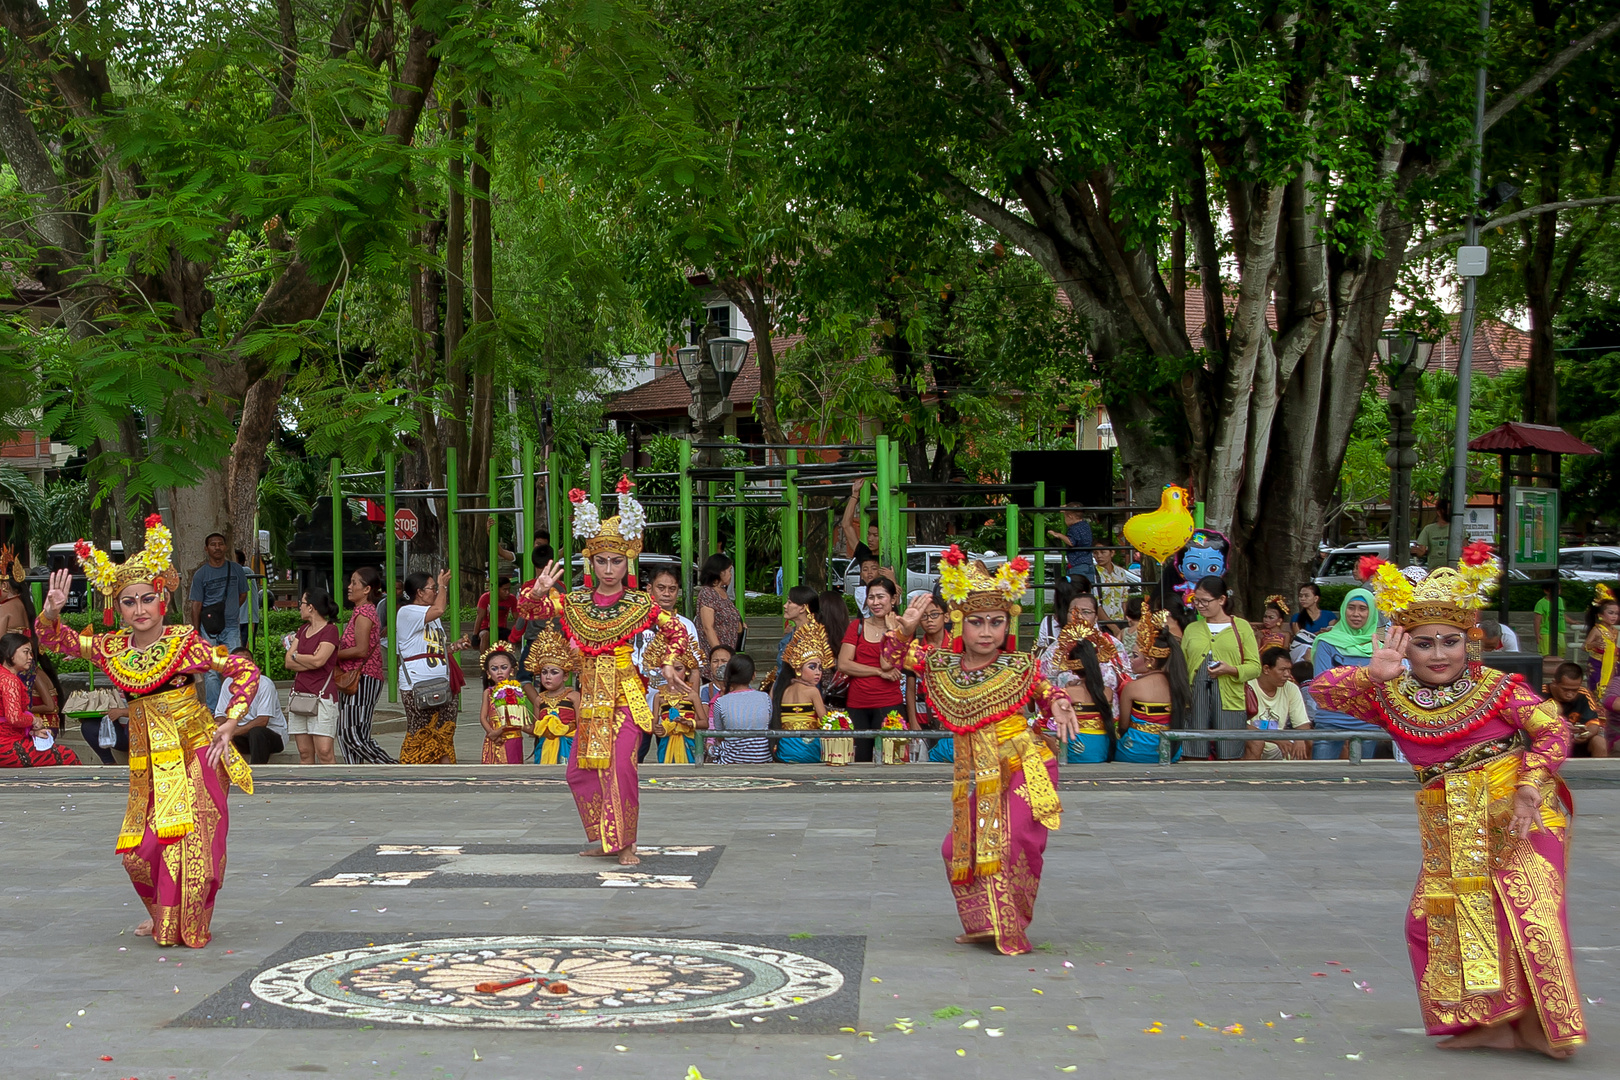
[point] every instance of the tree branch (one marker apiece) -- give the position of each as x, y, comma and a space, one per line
1419, 250
1552, 68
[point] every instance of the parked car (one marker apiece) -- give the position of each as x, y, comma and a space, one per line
1338, 567
1590, 563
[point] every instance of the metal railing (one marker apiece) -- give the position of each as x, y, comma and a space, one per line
1168, 739
820, 734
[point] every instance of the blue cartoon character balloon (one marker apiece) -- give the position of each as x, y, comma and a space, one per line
1204, 556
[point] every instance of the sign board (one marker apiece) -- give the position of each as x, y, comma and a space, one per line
405, 524
1533, 527
1480, 524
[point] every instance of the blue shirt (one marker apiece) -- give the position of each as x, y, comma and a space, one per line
1079, 556
210, 584
1329, 657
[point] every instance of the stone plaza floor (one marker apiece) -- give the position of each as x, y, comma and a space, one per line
787, 922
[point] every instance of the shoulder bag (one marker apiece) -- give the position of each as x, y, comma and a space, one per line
303, 703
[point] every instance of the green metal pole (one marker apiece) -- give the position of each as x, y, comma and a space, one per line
337, 525
1039, 523
494, 553
860, 508
740, 542
711, 514
528, 510
390, 664
897, 517
453, 550
885, 552
685, 467
596, 476
790, 524
554, 492
1012, 545
1198, 515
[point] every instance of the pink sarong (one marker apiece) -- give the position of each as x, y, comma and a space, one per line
178, 879
1004, 902
609, 800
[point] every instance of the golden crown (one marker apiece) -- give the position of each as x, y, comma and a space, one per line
549, 649
809, 643
154, 565
658, 653
1079, 630
498, 647
620, 533
966, 588
1148, 630
1448, 595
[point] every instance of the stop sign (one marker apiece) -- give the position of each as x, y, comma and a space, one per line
405, 524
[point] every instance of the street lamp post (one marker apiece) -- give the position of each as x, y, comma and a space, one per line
710, 383
1403, 356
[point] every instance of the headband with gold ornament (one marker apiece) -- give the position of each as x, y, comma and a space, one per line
1079, 630
809, 643
153, 566
658, 653
549, 649
620, 534
967, 589
499, 647
11, 566
1601, 594
1154, 622
1451, 596
1282, 604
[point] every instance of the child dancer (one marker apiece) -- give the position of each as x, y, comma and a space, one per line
555, 703
505, 715
677, 712
809, 656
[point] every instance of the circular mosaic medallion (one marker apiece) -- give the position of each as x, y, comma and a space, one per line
613, 982
716, 783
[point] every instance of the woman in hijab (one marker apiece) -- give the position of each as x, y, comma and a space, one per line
1347, 643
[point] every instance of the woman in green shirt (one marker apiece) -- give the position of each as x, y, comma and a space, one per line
1220, 648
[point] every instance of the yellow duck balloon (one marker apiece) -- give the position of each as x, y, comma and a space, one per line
1161, 533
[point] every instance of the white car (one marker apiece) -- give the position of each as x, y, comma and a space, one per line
1589, 563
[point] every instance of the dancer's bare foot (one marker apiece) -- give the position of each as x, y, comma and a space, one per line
1532, 1036
976, 939
628, 856
596, 853
1491, 1036
144, 929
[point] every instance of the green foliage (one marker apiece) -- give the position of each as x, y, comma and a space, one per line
61, 516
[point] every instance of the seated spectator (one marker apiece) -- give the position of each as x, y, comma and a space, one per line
1499, 638
25, 741
505, 612
742, 708
262, 731
1580, 711
1277, 705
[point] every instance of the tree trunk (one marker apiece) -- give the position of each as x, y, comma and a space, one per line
481, 421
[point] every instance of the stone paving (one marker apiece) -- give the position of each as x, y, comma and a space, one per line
1182, 912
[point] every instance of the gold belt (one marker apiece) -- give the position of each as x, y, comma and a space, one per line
1478, 754
1148, 727
163, 729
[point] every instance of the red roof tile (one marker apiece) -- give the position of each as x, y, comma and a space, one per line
668, 394
1543, 437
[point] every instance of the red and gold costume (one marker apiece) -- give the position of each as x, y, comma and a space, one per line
1487, 927
509, 711
1004, 795
554, 711
613, 696
175, 823
17, 749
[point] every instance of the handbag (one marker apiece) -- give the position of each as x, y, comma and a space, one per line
348, 681
303, 703
429, 693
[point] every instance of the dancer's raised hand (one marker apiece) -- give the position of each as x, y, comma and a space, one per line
1389, 654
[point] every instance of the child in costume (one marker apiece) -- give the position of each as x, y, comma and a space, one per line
556, 704
809, 657
505, 716
1082, 650
1004, 798
677, 713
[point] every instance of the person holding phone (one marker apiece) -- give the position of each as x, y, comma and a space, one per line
1221, 656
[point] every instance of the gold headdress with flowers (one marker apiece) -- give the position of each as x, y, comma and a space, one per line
809, 643
1078, 630
153, 566
1147, 631
1280, 601
1601, 593
549, 648
1448, 595
11, 566
658, 653
967, 589
620, 533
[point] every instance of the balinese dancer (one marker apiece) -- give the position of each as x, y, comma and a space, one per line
180, 757
601, 622
809, 657
677, 711
1083, 650
556, 704
1155, 700
1486, 928
1004, 798
1602, 640
505, 714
